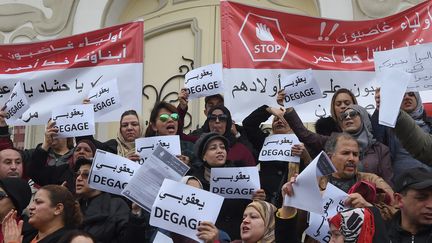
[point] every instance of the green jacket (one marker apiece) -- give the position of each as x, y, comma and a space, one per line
413, 138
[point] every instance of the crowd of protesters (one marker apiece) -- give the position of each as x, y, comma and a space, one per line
387, 173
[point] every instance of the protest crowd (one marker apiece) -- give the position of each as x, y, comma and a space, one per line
47, 198
350, 179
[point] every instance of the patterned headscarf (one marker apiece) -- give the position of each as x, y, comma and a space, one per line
356, 225
267, 212
127, 148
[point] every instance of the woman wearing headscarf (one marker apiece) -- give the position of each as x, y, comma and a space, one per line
211, 149
124, 143
262, 223
341, 99
401, 158
374, 156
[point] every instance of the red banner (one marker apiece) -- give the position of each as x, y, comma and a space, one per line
109, 46
261, 38
62, 72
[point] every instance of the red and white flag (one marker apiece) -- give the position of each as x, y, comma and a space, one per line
260, 47
62, 72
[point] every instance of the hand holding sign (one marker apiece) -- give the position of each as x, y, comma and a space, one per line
74, 120
16, 105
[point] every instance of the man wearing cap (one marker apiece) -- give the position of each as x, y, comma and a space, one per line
413, 222
15, 194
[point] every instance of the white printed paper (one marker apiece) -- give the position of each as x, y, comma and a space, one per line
300, 88
145, 146
179, 208
110, 172
146, 182
319, 228
278, 147
237, 182
17, 104
204, 81
307, 194
415, 61
74, 120
105, 97
394, 84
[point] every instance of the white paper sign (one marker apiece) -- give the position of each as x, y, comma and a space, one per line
300, 88
415, 60
105, 97
307, 194
74, 120
332, 203
278, 147
111, 172
204, 81
237, 182
319, 228
180, 208
394, 84
146, 146
145, 184
17, 104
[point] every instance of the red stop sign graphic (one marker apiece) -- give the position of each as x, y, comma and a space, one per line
263, 38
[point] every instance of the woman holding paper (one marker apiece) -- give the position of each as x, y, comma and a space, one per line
262, 223
164, 121
211, 149
124, 143
355, 120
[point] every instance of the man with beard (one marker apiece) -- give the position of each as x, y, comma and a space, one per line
364, 189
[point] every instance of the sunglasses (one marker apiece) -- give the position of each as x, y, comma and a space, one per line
84, 175
3, 195
165, 117
351, 114
221, 117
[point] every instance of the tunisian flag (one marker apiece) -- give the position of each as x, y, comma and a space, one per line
260, 47
62, 72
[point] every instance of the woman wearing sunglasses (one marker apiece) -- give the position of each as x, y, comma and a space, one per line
164, 121
219, 121
124, 143
374, 156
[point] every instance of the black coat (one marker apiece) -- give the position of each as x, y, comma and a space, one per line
109, 220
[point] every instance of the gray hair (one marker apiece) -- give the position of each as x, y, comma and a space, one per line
330, 145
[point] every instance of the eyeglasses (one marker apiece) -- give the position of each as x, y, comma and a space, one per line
3, 195
165, 117
84, 174
351, 114
221, 117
